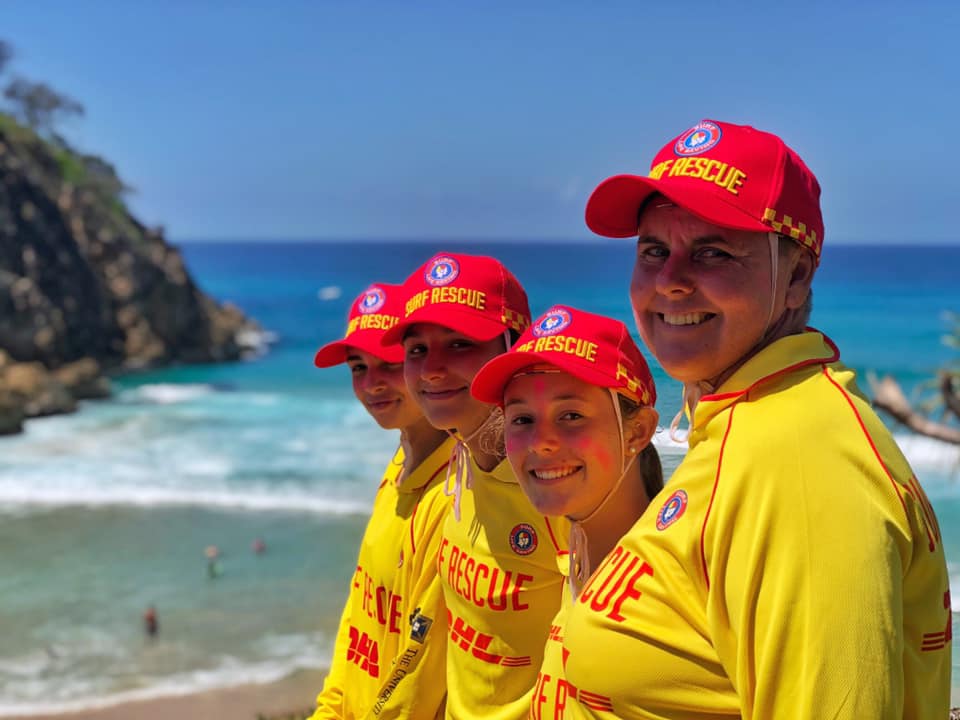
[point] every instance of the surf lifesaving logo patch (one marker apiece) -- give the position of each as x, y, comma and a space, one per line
372, 300
523, 539
442, 270
554, 320
672, 509
698, 139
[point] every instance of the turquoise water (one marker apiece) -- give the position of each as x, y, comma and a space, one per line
108, 511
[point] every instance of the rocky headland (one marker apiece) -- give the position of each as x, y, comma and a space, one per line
85, 289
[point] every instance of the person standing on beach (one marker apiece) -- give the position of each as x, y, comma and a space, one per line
795, 568
499, 559
390, 619
578, 409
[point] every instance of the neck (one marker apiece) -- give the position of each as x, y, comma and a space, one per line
485, 460
791, 322
611, 523
478, 440
418, 442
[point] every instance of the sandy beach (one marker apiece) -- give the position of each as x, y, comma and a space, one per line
280, 700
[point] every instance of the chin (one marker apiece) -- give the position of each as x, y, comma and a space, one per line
549, 505
685, 371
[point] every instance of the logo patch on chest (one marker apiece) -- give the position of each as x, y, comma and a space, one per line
523, 539
672, 509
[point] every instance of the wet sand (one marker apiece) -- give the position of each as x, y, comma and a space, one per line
282, 700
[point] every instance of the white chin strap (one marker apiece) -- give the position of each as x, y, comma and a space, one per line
579, 569
774, 259
460, 467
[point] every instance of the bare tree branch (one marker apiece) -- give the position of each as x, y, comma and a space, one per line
888, 396
951, 395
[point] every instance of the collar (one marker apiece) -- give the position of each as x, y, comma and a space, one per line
501, 473
434, 465
780, 357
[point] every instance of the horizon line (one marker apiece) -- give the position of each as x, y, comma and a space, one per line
296, 239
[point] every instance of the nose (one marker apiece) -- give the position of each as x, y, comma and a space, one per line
373, 382
543, 439
433, 366
673, 277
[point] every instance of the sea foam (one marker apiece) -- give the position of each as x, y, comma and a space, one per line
285, 655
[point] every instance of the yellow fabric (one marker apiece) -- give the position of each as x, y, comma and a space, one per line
803, 577
501, 569
377, 668
551, 695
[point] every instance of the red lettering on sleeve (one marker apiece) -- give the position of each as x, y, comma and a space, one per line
629, 592
517, 589
395, 613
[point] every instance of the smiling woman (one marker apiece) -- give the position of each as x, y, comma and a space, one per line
795, 568
576, 424
705, 298
499, 560
389, 597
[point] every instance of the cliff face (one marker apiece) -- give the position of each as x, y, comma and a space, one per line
81, 278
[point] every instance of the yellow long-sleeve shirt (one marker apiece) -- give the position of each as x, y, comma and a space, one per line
501, 566
793, 567
388, 660
551, 695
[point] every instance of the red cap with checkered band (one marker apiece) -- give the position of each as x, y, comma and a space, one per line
472, 294
729, 175
376, 310
593, 348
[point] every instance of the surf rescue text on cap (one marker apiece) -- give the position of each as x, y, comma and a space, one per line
374, 312
593, 348
733, 176
472, 294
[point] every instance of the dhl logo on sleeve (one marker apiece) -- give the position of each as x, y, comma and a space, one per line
719, 173
375, 321
475, 299
562, 344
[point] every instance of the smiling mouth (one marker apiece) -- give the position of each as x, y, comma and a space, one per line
382, 404
690, 318
441, 394
554, 474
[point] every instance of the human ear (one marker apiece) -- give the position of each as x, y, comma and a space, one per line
639, 428
801, 276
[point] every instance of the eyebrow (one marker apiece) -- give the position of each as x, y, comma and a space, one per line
559, 398
702, 240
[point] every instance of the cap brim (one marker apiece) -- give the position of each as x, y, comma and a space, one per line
476, 327
613, 207
336, 353
490, 382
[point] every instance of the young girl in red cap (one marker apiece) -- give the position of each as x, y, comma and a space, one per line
388, 600
578, 403
499, 560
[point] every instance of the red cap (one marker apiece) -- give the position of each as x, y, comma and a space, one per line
472, 294
375, 311
593, 348
729, 175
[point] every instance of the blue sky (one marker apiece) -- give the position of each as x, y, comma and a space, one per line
491, 120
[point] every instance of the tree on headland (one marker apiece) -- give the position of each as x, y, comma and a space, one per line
36, 104
39, 105
933, 414
6, 53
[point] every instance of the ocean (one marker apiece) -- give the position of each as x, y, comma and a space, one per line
108, 511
